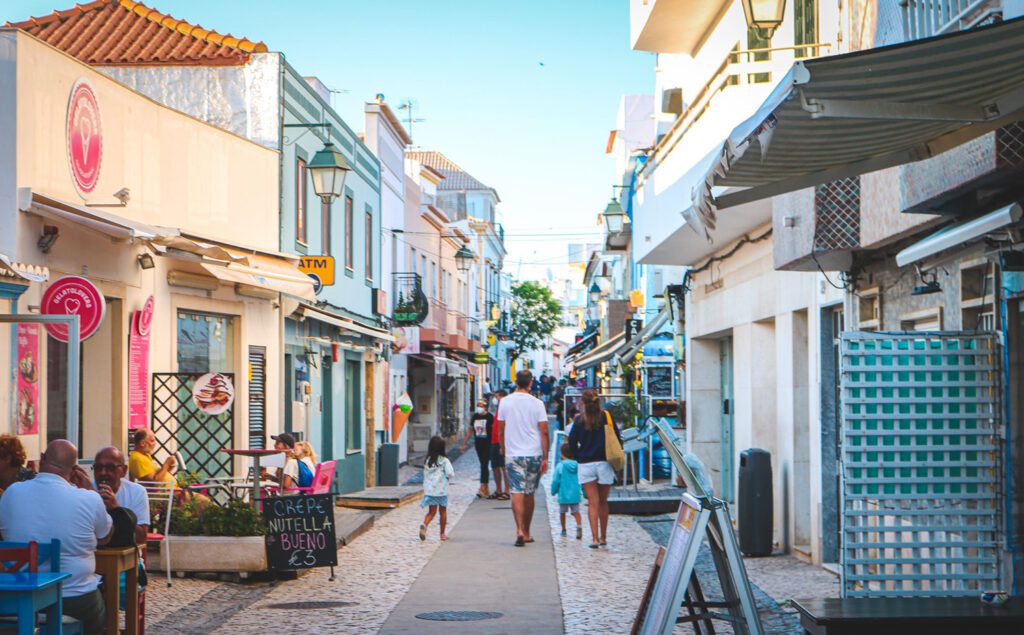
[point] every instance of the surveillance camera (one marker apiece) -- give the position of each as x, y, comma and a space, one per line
123, 195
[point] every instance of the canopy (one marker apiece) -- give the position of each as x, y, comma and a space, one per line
846, 115
344, 323
91, 218
603, 352
23, 271
629, 349
267, 272
577, 348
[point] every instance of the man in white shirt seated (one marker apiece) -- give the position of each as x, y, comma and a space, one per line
59, 503
109, 468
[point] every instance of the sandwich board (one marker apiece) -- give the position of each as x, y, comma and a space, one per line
701, 517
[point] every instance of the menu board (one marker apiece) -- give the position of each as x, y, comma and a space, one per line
674, 574
300, 532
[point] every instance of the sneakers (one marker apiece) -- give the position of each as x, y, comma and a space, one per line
579, 533
563, 533
423, 532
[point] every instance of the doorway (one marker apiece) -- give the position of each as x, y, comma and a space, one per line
726, 439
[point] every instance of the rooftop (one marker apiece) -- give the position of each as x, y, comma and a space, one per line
455, 178
126, 33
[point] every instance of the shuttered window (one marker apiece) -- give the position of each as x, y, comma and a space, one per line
257, 397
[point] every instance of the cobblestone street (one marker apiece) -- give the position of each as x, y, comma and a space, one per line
377, 570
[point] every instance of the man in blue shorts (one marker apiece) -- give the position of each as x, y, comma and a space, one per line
524, 443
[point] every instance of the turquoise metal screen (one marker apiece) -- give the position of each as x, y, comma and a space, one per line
920, 463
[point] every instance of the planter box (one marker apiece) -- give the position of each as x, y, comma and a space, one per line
212, 553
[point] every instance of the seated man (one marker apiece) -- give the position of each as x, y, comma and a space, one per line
141, 465
59, 503
109, 469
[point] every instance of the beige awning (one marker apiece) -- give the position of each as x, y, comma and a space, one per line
345, 323
22, 272
266, 272
91, 218
183, 245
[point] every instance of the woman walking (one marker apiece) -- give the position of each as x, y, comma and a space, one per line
587, 447
481, 427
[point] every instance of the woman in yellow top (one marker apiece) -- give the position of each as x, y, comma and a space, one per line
141, 465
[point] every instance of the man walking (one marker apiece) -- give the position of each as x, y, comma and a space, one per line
524, 443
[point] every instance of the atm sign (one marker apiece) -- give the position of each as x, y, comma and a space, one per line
320, 268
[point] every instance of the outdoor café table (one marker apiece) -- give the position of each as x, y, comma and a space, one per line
895, 615
255, 455
24, 594
110, 562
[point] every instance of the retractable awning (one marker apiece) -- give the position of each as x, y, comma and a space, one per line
578, 347
628, 350
344, 323
602, 353
846, 115
956, 235
23, 272
91, 218
266, 272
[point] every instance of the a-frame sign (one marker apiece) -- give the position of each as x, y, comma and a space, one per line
675, 586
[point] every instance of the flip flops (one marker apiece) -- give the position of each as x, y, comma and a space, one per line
423, 532
520, 542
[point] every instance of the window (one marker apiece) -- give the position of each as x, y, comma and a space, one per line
353, 407
757, 41
805, 26
412, 260
325, 228
433, 279
423, 266
369, 245
206, 342
349, 226
300, 201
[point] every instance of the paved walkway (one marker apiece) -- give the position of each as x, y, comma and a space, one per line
479, 569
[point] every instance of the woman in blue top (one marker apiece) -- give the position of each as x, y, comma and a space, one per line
586, 445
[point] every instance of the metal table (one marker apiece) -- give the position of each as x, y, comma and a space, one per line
255, 455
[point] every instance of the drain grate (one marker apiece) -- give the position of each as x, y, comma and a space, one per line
291, 606
459, 616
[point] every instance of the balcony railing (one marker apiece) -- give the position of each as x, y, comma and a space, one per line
410, 304
925, 18
739, 68
457, 323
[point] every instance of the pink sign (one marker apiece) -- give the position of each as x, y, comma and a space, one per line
27, 407
74, 295
138, 367
85, 137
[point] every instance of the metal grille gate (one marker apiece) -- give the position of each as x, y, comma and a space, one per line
920, 463
179, 426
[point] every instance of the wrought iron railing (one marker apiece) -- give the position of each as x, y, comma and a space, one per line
410, 303
925, 18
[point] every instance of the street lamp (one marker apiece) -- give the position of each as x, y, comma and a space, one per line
764, 15
328, 170
464, 258
595, 293
614, 217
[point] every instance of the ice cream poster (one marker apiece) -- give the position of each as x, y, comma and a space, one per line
27, 386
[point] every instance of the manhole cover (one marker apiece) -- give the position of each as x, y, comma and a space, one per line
309, 605
503, 507
459, 616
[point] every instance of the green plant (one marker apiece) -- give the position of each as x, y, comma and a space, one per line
625, 411
535, 316
236, 518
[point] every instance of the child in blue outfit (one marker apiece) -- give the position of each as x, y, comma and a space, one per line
566, 483
437, 472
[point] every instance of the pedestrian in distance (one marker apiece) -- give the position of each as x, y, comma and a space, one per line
497, 458
481, 428
437, 473
587, 444
524, 425
566, 484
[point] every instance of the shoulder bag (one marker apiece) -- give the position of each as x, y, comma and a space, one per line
612, 448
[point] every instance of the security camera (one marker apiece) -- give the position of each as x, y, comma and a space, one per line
123, 195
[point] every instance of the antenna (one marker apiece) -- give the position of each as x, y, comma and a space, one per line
409, 105
337, 91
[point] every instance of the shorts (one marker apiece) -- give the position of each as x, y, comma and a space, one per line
569, 509
523, 474
600, 471
497, 458
434, 501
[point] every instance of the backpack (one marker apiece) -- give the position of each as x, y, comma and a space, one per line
305, 475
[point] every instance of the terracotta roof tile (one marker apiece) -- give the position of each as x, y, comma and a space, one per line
125, 33
455, 178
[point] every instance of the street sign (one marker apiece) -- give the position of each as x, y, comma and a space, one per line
73, 295
320, 268
300, 531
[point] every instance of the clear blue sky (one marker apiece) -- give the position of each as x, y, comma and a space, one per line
520, 93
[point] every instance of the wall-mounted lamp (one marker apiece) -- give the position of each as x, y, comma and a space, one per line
192, 280
929, 285
49, 236
146, 261
464, 258
595, 292
614, 217
764, 15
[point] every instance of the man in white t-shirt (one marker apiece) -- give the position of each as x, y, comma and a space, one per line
524, 443
109, 468
59, 503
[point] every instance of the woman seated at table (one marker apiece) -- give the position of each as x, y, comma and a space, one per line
293, 475
12, 462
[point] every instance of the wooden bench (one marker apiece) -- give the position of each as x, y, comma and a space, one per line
892, 616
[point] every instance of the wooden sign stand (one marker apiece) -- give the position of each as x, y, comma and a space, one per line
674, 583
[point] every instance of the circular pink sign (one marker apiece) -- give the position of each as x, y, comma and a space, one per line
73, 295
145, 319
85, 137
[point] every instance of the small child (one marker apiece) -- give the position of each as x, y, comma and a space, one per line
437, 472
566, 483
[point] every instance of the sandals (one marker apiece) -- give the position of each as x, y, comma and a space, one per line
503, 497
520, 542
423, 532
492, 497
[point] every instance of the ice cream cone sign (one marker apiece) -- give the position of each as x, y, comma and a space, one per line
400, 414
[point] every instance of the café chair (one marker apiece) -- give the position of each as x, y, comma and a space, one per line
25, 557
322, 480
161, 496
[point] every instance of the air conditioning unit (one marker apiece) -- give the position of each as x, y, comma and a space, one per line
672, 101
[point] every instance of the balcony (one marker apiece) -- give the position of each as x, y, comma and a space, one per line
410, 303
434, 330
926, 18
673, 26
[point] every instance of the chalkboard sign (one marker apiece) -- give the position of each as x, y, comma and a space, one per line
300, 531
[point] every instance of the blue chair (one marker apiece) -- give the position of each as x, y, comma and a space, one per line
46, 552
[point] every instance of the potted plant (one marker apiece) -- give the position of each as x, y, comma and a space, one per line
216, 538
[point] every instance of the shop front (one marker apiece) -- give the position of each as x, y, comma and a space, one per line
159, 232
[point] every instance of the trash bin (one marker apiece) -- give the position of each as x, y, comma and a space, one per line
387, 464
755, 502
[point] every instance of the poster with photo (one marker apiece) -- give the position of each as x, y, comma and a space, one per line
27, 385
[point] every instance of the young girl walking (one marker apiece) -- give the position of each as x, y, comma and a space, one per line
437, 472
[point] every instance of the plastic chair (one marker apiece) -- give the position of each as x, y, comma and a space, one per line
322, 479
163, 494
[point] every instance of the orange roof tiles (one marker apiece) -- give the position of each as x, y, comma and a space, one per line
126, 33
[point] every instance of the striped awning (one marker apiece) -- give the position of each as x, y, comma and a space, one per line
846, 115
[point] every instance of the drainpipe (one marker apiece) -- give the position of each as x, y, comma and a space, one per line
1011, 537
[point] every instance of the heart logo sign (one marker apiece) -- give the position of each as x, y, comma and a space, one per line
72, 305
74, 295
84, 137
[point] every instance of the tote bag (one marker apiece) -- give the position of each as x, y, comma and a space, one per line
612, 448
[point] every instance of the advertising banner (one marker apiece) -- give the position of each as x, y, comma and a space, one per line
27, 385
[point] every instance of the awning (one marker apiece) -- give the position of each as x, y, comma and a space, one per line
585, 341
22, 271
92, 218
187, 246
846, 115
267, 272
956, 235
628, 350
602, 353
344, 323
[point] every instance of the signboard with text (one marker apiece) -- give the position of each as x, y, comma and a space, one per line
320, 269
138, 367
74, 295
300, 532
84, 137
